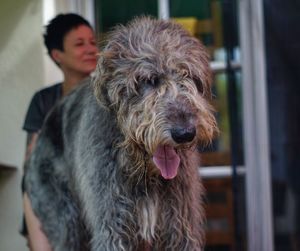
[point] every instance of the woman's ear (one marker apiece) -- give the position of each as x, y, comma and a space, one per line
56, 55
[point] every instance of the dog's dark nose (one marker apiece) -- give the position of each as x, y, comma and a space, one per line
183, 134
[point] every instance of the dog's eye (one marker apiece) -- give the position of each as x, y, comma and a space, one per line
154, 81
198, 84
147, 83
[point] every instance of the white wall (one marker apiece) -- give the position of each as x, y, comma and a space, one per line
52, 73
21, 73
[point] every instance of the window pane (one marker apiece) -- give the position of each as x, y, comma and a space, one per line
214, 23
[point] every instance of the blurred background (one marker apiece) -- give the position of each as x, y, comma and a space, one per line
251, 172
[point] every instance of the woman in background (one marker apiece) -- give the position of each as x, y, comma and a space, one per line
71, 44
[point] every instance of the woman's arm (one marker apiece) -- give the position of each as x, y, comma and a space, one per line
37, 240
30, 143
36, 237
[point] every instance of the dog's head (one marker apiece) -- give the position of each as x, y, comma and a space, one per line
156, 78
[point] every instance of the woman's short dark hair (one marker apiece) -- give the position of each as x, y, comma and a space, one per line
58, 27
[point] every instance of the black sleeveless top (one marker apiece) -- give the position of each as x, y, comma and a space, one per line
41, 103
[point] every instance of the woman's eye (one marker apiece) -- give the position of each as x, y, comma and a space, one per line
79, 44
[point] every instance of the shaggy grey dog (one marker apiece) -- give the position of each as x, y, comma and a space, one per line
115, 165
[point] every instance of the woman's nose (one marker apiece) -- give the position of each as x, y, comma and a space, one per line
91, 49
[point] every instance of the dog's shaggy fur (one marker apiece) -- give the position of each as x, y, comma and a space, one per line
116, 163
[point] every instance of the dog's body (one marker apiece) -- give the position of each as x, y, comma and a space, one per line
121, 172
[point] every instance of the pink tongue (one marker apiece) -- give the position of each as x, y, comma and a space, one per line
167, 161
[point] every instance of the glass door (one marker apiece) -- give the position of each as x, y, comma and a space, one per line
282, 36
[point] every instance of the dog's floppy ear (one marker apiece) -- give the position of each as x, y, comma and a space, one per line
102, 78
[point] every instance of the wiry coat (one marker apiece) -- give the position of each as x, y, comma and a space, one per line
95, 178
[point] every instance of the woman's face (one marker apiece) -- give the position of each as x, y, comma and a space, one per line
79, 54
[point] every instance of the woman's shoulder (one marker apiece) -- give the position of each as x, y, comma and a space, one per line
52, 89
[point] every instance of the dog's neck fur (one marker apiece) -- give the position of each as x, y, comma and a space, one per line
155, 199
